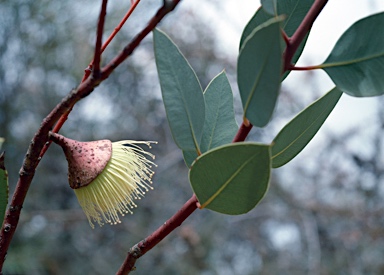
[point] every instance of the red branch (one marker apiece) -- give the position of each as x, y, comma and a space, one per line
121, 24
147, 244
32, 157
166, 8
134, 4
99, 40
302, 30
243, 132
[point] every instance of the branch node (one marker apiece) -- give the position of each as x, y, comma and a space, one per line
135, 251
7, 227
14, 208
23, 172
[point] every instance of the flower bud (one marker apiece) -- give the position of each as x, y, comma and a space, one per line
107, 176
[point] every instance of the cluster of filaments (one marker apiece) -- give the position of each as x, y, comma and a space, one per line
126, 177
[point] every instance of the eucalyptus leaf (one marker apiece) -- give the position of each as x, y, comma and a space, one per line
232, 179
189, 157
4, 188
300, 130
356, 63
294, 11
258, 71
182, 94
220, 125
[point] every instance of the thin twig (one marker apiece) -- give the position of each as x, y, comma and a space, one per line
243, 132
147, 244
306, 68
167, 7
99, 40
134, 4
121, 24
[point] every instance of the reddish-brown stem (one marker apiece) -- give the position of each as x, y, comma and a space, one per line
121, 24
243, 132
306, 68
59, 113
88, 70
165, 9
285, 37
302, 30
99, 40
147, 244
55, 129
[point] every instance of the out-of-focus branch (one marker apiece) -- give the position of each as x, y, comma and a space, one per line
58, 116
134, 4
167, 7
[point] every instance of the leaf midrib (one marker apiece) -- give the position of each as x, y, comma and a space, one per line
234, 175
196, 143
353, 61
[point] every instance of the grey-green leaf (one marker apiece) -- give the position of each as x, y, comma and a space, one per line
258, 71
294, 10
182, 94
189, 157
4, 189
232, 179
356, 63
300, 130
220, 125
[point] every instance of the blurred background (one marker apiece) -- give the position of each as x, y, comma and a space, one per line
323, 213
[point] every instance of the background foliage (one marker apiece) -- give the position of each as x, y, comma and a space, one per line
322, 214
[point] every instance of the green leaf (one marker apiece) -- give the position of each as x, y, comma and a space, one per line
233, 178
260, 17
220, 125
356, 63
1, 142
4, 189
189, 157
259, 70
182, 94
294, 10
300, 130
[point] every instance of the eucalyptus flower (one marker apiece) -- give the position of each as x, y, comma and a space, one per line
107, 176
